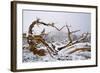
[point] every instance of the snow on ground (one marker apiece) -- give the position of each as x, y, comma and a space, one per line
62, 54
30, 57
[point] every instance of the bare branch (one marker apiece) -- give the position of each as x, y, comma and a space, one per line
32, 25
69, 37
53, 46
50, 53
38, 38
79, 49
84, 36
43, 32
69, 34
75, 31
59, 29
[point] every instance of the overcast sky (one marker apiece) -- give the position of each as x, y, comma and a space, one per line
78, 21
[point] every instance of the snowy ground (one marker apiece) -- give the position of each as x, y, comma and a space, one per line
62, 54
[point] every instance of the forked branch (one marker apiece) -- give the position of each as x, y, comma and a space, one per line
71, 42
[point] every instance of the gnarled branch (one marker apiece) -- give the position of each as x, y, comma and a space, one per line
84, 36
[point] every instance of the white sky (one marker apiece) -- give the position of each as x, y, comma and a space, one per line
78, 21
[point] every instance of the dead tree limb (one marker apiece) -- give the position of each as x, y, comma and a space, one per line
32, 25
52, 25
33, 41
59, 29
80, 49
75, 31
84, 36
69, 34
